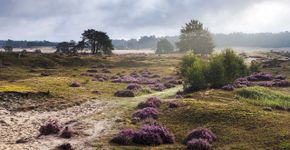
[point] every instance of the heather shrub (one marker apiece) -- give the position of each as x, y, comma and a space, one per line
151, 102
125, 137
154, 135
147, 138
201, 133
145, 113
174, 104
198, 144
124, 93
50, 127
134, 86
228, 87
157, 87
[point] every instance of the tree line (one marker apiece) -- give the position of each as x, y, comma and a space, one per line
193, 36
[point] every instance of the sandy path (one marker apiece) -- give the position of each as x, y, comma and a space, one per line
83, 119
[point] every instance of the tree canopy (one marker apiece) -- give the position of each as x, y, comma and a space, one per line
164, 46
195, 37
98, 42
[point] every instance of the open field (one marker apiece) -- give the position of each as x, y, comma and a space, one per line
39, 88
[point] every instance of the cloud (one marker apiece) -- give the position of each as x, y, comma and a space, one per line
60, 20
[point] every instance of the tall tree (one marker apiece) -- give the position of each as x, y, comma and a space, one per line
97, 41
164, 46
195, 37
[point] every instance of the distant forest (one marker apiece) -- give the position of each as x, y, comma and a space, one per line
264, 40
27, 44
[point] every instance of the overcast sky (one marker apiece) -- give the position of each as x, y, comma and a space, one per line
60, 20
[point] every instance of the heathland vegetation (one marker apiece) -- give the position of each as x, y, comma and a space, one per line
192, 99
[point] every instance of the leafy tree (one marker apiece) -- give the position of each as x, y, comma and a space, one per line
8, 48
164, 46
195, 37
97, 41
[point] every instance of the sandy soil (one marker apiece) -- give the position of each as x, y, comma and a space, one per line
24, 125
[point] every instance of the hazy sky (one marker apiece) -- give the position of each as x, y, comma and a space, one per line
59, 20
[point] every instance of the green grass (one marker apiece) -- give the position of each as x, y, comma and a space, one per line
264, 97
15, 88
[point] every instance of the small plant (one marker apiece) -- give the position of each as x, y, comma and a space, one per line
66, 133
228, 87
65, 146
151, 102
50, 127
124, 93
201, 133
153, 135
157, 87
166, 135
125, 137
75, 84
174, 104
147, 138
198, 144
133, 86
145, 113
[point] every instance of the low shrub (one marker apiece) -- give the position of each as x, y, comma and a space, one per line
125, 137
75, 84
124, 93
154, 135
145, 113
228, 87
223, 68
147, 138
157, 87
260, 76
65, 146
201, 133
174, 104
151, 102
165, 134
52, 126
198, 144
133, 86
66, 133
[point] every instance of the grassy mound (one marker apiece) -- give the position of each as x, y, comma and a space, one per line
264, 97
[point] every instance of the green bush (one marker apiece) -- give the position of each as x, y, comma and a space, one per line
219, 70
255, 67
195, 79
216, 72
187, 60
234, 65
